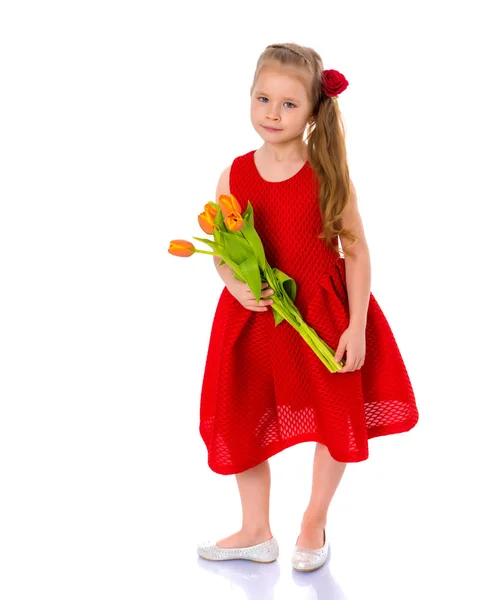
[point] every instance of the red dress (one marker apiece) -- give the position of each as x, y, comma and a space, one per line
263, 388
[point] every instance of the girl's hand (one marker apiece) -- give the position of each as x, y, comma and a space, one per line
353, 340
241, 291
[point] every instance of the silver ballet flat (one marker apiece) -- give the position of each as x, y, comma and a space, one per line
265, 552
310, 559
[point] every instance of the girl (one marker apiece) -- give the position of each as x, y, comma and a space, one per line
264, 389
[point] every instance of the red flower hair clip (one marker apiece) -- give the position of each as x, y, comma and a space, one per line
333, 82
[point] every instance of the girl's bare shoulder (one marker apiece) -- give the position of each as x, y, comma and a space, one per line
223, 186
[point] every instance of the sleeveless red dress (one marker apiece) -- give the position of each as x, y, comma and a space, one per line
263, 388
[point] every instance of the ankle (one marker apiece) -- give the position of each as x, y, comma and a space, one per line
313, 522
257, 532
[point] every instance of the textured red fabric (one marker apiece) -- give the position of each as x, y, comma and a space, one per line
264, 389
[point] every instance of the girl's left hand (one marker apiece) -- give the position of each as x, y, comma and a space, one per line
353, 341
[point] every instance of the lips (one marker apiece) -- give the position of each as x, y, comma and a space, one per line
273, 128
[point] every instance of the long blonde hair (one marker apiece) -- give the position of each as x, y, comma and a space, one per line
325, 137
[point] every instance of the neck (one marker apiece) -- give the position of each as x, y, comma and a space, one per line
290, 151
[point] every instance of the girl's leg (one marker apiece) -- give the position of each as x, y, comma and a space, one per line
327, 474
254, 487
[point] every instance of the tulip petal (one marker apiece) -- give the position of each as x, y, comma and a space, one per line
225, 204
211, 210
206, 222
235, 204
214, 205
234, 221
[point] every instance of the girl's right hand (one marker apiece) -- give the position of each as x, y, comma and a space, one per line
242, 292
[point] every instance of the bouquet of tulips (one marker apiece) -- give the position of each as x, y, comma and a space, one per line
238, 244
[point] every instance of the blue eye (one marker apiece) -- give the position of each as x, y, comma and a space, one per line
259, 98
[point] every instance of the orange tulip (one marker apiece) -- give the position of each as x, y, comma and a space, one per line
181, 248
234, 221
210, 209
206, 221
228, 204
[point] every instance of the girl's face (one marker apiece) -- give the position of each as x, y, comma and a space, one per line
279, 100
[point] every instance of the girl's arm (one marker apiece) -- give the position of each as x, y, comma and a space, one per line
358, 265
223, 187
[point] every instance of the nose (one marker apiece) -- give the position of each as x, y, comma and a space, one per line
271, 117
272, 113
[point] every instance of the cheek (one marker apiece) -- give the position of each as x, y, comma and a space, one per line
300, 120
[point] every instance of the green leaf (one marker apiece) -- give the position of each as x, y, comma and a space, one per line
250, 270
211, 244
252, 237
218, 220
237, 247
219, 237
248, 214
236, 270
287, 283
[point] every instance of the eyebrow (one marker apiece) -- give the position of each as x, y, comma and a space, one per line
285, 98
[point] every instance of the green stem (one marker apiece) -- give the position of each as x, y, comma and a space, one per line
284, 306
322, 350
206, 252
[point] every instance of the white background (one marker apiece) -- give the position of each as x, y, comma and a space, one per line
117, 119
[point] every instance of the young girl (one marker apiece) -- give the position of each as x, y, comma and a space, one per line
264, 389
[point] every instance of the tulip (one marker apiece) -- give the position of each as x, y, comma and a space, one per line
207, 221
209, 208
181, 248
185, 248
234, 221
228, 204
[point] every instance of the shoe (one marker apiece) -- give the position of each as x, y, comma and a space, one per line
310, 559
265, 552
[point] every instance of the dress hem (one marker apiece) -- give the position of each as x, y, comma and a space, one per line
273, 449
